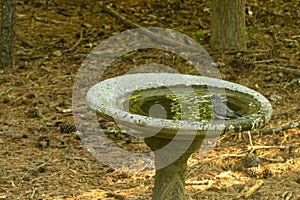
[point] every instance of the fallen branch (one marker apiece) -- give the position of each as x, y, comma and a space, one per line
275, 129
170, 41
118, 16
148, 33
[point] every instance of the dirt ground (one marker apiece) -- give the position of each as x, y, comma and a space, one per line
41, 157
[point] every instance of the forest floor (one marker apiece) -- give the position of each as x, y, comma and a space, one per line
41, 157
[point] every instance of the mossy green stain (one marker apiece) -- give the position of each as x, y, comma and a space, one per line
192, 103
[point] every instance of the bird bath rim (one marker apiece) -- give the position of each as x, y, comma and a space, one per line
105, 98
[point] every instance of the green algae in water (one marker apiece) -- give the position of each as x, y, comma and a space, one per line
191, 103
174, 103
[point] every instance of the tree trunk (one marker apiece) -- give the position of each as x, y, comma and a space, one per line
228, 29
8, 28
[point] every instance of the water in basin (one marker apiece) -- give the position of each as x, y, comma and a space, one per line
180, 102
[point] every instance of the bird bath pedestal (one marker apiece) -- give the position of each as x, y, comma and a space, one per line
147, 103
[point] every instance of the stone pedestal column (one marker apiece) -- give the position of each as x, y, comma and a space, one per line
171, 164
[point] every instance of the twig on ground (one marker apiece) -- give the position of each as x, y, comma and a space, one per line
236, 52
215, 158
77, 43
248, 192
250, 138
27, 56
275, 129
203, 182
281, 69
295, 36
47, 20
263, 61
266, 11
33, 193
4, 132
254, 148
279, 159
291, 83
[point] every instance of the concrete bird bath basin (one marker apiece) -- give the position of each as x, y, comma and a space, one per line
174, 114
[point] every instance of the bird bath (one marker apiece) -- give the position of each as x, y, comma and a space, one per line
173, 113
